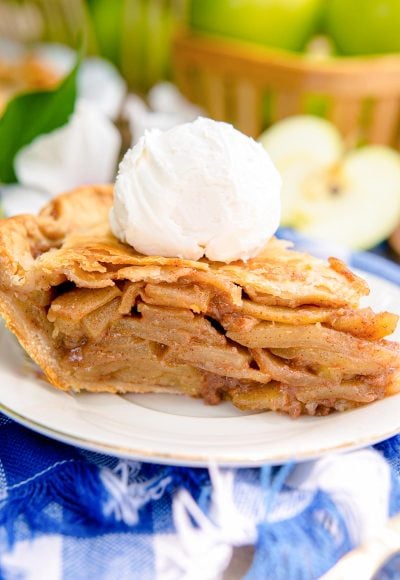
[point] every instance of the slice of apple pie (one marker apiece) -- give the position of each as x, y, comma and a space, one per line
282, 331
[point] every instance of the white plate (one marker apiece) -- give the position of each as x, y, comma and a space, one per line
183, 431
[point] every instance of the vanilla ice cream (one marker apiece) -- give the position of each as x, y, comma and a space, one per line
199, 189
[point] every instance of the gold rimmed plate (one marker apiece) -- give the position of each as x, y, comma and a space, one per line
183, 431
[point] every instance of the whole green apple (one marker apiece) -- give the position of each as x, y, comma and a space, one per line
286, 24
364, 26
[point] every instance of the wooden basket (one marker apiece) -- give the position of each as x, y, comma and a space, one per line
251, 87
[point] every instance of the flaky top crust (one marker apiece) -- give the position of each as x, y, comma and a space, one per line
71, 240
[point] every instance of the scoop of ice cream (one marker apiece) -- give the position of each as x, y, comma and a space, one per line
199, 189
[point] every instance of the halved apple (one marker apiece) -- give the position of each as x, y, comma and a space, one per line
394, 241
349, 197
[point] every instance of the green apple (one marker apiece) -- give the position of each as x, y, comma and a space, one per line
364, 26
349, 197
136, 35
106, 19
286, 24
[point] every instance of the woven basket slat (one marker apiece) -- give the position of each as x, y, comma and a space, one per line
348, 85
286, 103
248, 105
384, 121
214, 90
345, 113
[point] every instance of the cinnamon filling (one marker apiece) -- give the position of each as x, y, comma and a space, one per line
191, 339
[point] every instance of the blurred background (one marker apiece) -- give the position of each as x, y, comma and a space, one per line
316, 81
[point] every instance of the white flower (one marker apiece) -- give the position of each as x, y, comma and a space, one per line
83, 151
10, 50
166, 98
16, 199
167, 108
99, 82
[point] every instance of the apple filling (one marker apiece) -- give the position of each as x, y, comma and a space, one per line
183, 337
282, 331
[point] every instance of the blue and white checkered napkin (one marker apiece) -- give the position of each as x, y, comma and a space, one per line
68, 513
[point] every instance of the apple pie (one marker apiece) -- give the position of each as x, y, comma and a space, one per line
283, 331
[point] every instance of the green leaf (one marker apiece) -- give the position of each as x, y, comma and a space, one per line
32, 114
